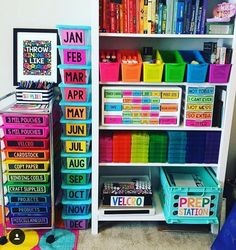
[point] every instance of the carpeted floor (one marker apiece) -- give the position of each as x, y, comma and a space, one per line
143, 236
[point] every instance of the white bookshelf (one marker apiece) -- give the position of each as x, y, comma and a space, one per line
160, 41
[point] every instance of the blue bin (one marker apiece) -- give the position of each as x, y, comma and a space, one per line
226, 239
196, 73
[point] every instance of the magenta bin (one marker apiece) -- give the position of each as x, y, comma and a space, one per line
105, 145
219, 73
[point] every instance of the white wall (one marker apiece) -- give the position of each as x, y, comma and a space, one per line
34, 14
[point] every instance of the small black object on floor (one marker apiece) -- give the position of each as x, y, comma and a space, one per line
3, 240
50, 239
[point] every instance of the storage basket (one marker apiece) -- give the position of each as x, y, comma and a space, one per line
219, 73
174, 66
189, 195
196, 73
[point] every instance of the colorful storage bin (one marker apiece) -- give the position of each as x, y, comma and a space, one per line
75, 74
131, 72
76, 161
110, 71
74, 35
76, 177
78, 222
78, 145
152, 72
219, 73
76, 192
75, 127
75, 55
76, 207
174, 66
196, 73
139, 147
189, 195
75, 93
75, 111
105, 146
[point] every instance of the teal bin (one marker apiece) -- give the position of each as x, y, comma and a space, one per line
174, 66
189, 195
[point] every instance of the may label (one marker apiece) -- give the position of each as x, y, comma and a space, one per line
194, 206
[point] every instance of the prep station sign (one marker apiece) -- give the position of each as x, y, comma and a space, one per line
194, 206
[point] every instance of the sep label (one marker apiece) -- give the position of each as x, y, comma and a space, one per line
73, 179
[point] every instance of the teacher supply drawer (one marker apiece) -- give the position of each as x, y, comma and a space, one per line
12, 154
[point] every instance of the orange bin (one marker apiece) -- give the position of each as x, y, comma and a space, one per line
131, 65
121, 146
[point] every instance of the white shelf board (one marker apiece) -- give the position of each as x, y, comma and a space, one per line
146, 127
179, 36
201, 165
159, 216
165, 84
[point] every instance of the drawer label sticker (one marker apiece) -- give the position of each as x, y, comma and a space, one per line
73, 76
76, 129
75, 94
201, 91
30, 210
78, 113
70, 209
74, 56
29, 220
25, 131
24, 119
170, 94
76, 194
77, 224
27, 178
76, 163
200, 107
25, 144
198, 123
127, 201
30, 96
200, 99
73, 37
26, 155
169, 107
28, 199
75, 146
194, 206
26, 189
74, 179
196, 115
26, 166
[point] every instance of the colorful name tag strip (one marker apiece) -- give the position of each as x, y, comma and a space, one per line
134, 106
23, 119
26, 155
199, 106
25, 166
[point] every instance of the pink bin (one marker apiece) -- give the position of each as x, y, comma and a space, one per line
219, 73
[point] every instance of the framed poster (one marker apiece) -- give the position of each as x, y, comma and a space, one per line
35, 55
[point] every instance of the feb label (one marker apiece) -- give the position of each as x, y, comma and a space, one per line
73, 37
194, 206
74, 56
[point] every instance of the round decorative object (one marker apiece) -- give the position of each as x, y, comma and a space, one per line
16, 236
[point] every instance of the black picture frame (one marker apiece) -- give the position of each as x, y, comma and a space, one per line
35, 55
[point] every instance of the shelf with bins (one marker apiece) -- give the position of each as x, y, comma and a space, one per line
120, 164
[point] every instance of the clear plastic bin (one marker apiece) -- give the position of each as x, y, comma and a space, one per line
75, 93
75, 74
76, 161
74, 111
77, 145
76, 128
75, 55
74, 35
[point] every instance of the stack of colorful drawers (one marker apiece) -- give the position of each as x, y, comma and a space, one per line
121, 146
105, 145
177, 146
212, 146
195, 149
75, 53
139, 147
27, 168
158, 147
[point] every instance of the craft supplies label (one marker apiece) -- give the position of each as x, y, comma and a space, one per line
127, 201
25, 131
26, 96
27, 189
25, 144
194, 206
26, 155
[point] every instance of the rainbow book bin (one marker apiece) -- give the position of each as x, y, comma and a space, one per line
135, 106
27, 167
75, 70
